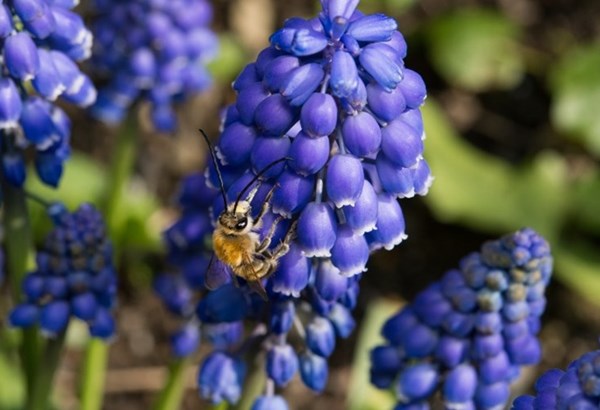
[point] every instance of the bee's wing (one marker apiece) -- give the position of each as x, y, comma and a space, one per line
217, 274
258, 287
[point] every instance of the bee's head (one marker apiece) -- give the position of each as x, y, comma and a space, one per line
238, 221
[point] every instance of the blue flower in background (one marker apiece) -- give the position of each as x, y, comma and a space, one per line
151, 50
576, 388
41, 41
468, 334
74, 276
332, 95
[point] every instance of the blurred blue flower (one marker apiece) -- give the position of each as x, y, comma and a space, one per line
329, 93
42, 40
468, 334
578, 387
74, 276
155, 51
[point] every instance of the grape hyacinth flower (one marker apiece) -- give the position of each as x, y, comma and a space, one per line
332, 95
151, 50
576, 388
468, 334
41, 41
74, 276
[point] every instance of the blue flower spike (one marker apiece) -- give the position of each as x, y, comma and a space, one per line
468, 335
74, 276
577, 387
161, 59
42, 41
326, 96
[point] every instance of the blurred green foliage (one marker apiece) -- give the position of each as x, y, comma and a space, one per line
84, 181
476, 49
575, 83
485, 193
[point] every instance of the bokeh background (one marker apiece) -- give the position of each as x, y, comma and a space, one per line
513, 138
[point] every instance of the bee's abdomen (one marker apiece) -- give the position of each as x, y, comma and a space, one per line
229, 251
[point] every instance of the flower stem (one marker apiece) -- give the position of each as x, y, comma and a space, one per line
172, 392
253, 386
39, 397
94, 374
18, 246
120, 173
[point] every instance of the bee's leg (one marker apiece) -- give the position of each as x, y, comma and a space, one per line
266, 242
235, 280
284, 246
253, 192
265, 207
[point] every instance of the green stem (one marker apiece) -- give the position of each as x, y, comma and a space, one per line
172, 393
39, 397
18, 246
120, 173
253, 385
94, 374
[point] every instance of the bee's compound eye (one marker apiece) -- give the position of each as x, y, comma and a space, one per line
241, 224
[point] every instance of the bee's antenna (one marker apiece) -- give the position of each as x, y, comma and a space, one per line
256, 177
214, 159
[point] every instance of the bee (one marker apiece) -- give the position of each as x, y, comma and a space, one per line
236, 242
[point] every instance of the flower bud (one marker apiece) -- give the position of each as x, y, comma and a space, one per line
375, 27
344, 180
186, 341
314, 371
318, 116
350, 252
316, 230
270, 403
293, 193
344, 74
384, 70
10, 104
221, 377
282, 364
361, 134
21, 56
309, 155
390, 225
274, 116
417, 382
54, 317
291, 277
330, 284
320, 336
401, 144
301, 83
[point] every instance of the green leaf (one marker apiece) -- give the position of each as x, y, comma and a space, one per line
84, 181
484, 192
476, 49
578, 266
229, 61
575, 83
587, 202
12, 390
384, 6
362, 395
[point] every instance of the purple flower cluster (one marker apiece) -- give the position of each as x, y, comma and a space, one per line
468, 334
74, 276
154, 50
41, 40
576, 388
331, 96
